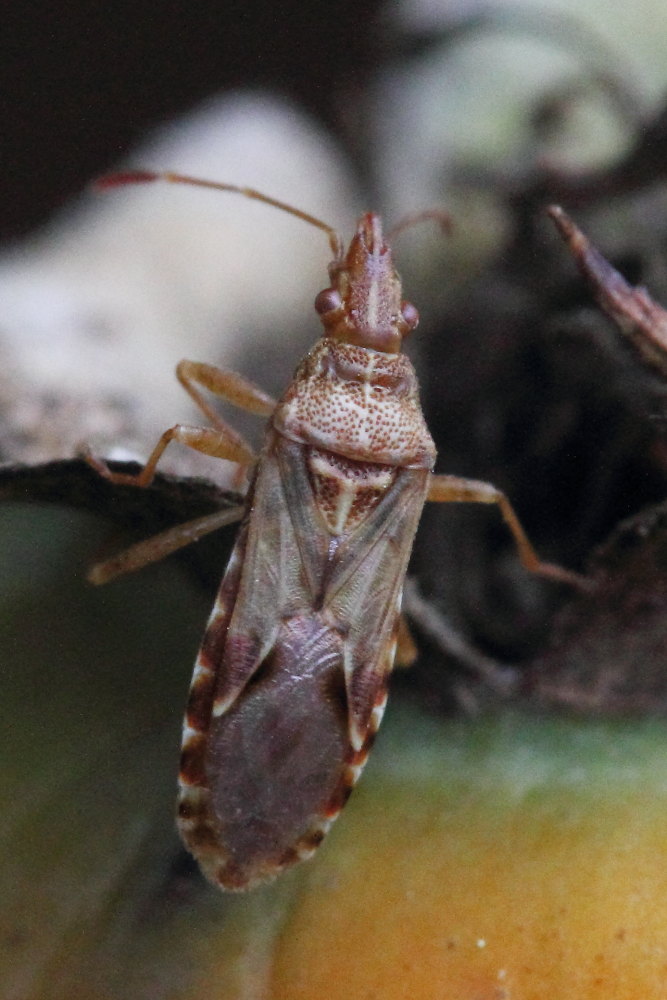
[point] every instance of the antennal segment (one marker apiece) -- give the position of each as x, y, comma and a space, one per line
147, 176
443, 219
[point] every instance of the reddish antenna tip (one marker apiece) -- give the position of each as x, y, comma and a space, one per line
124, 177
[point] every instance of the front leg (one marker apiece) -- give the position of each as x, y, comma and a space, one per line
218, 441
454, 489
225, 384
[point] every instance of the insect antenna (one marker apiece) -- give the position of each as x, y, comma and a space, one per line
438, 215
147, 176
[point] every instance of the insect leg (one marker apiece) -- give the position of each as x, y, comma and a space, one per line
225, 384
453, 489
406, 649
157, 547
218, 441
221, 442
204, 439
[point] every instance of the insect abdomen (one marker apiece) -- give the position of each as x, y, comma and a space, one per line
278, 766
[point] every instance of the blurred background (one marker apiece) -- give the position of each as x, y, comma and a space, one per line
83, 86
488, 109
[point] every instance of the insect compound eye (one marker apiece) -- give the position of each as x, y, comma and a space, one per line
328, 300
409, 314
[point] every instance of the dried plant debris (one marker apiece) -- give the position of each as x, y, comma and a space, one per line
609, 649
642, 320
525, 388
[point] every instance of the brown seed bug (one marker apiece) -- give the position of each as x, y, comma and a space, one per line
291, 679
